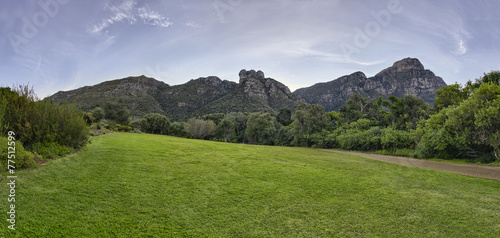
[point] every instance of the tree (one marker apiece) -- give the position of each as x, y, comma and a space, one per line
261, 128
468, 130
284, 117
406, 112
239, 120
226, 128
215, 117
98, 114
157, 123
492, 77
309, 119
451, 95
116, 112
200, 129
140, 124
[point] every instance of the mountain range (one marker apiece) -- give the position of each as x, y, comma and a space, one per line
253, 93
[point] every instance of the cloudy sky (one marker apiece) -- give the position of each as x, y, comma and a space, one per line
65, 44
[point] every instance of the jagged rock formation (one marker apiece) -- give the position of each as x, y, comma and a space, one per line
255, 93
405, 77
182, 101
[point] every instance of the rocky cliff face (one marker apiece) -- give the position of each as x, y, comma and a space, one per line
181, 101
255, 93
404, 77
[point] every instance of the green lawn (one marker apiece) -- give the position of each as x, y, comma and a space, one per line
131, 185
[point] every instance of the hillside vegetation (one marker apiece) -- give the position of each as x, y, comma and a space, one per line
137, 185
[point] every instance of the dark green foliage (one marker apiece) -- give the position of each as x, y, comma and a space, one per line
157, 124
226, 129
177, 129
309, 119
140, 124
407, 112
451, 95
261, 128
468, 130
98, 114
215, 117
492, 77
236, 121
116, 112
36, 121
284, 117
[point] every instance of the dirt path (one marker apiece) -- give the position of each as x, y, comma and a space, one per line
464, 169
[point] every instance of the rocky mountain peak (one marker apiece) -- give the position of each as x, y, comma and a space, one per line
406, 64
245, 75
210, 80
405, 77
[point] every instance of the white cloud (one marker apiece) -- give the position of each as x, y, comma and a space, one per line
153, 18
462, 49
128, 11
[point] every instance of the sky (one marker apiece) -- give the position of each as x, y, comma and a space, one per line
55, 45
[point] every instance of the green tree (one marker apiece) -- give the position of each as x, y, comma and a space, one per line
468, 130
215, 117
157, 123
406, 112
116, 112
200, 129
284, 117
226, 128
309, 119
97, 114
140, 124
492, 77
261, 128
451, 95
239, 120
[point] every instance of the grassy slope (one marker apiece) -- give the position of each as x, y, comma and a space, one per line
139, 185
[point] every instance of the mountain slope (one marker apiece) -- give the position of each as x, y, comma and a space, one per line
404, 77
139, 94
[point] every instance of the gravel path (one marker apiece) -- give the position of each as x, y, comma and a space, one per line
481, 171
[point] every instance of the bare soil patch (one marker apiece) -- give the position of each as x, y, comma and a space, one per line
481, 171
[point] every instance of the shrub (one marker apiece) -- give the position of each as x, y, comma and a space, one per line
51, 150
23, 159
200, 129
398, 139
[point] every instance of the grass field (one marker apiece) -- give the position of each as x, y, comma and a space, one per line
131, 185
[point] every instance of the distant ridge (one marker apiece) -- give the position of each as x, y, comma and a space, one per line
405, 77
253, 93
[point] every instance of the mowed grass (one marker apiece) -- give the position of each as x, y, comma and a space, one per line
131, 185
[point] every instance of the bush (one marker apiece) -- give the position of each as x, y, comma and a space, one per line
200, 129
23, 159
124, 128
398, 139
51, 150
42, 121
